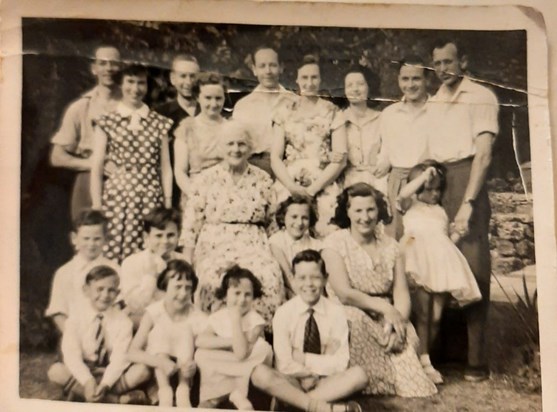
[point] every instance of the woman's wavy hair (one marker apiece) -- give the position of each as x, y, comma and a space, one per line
360, 190
179, 269
233, 276
208, 78
131, 69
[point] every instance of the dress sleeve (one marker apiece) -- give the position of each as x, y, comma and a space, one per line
338, 118
58, 301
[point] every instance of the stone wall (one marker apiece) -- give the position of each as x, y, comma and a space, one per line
511, 227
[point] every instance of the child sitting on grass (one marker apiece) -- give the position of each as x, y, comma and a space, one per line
94, 346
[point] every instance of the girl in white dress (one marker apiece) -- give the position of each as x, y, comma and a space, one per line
166, 334
433, 262
295, 218
233, 344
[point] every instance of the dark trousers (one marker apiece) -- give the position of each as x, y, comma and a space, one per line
81, 194
475, 247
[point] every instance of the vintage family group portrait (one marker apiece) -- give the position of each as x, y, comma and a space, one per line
276, 217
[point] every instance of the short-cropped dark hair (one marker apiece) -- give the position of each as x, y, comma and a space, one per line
422, 167
179, 269
160, 217
90, 217
133, 69
441, 42
360, 190
412, 60
295, 200
233, 276
100, 272
310, 255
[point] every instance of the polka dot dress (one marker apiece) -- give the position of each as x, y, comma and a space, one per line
135, 188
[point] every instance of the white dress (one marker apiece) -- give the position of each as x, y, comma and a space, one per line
221, 372
432, 260
174, 338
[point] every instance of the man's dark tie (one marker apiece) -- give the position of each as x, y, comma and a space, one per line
312, 341
101, 351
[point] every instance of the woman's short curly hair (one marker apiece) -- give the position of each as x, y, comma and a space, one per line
131, 69
207, 78
295, 200
360, 190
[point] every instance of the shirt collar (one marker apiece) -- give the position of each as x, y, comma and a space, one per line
465, 86
369, 116
302, 307
126, 111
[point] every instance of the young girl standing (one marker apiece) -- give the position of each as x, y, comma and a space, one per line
232, 346
295, 218
135, 139
433, 261
165, 338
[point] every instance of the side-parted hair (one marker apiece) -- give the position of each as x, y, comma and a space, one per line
309, 255
360, 190
184, 57
207, 78
132, 69
422, 167
233, 276
309, 59
441, 42
179, 269
99, 273
159, 217
90, 217
412, 60
264, 47
295, 200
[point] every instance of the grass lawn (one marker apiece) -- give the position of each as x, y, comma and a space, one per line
497, 394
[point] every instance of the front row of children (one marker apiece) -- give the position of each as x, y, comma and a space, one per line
102, 362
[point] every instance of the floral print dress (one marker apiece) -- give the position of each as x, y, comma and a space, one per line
395, 373
307, 136
225, 221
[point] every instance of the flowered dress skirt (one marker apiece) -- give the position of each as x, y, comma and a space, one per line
222, 245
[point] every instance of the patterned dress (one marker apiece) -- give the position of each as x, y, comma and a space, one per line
135, 188
225, 223
395, 373
307, 137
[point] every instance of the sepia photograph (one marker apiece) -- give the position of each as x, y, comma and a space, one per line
262, 212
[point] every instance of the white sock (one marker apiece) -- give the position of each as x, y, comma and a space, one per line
183, 396
166, 396
239, 401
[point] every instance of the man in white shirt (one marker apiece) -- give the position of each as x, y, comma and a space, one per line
257, 109
72, 144
465, 124
310, 338
403, 128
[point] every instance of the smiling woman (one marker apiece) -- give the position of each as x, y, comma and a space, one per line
367, 277
135, 140
225, 220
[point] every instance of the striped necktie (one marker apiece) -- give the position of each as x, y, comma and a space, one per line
101, 353
312, 340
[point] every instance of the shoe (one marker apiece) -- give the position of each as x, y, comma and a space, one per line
433, 374
476, 373
135, 397
352, 406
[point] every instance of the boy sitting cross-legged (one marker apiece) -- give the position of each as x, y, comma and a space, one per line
310, 340
94, 346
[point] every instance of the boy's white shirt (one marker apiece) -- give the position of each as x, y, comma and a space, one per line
288, 334
79, 343
138, 279
66, 296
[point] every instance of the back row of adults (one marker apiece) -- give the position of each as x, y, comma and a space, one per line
305, 143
